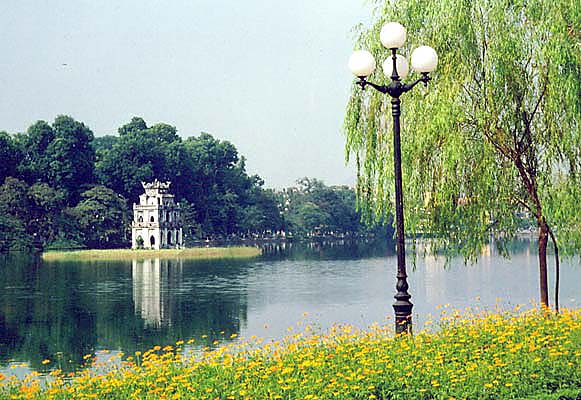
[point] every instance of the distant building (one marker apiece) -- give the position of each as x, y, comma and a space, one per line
156, 219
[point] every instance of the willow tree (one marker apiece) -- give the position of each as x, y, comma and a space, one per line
497, 136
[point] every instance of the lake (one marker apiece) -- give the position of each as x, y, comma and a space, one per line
64, 311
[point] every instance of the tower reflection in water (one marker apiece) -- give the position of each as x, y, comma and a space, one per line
175, 299
153, 280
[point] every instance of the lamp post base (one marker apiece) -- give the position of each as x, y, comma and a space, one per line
403, 315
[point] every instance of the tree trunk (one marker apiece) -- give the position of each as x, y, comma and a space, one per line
543, 283
557, 269
531, 186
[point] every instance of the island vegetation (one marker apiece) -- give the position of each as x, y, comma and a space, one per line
196, 253
61, 188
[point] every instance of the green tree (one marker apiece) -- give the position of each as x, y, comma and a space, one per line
45, 212
102, 145
139, 155
313, 207
102, 217
37, 208
164, 133
60, 155
137, 124
191, 228
311, 218
14, 199
143, 154
179, 169
13, 235
72, 156
34, 144
219, 180
494, 135
260, 213
10, 155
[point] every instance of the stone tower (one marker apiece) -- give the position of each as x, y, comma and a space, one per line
156, 219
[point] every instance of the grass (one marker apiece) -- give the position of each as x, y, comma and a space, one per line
485, 355
201, 253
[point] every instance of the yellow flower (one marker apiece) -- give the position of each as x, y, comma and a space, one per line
44, 362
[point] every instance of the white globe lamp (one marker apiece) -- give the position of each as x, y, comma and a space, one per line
424, 59
401, 65
361, 63
392, 35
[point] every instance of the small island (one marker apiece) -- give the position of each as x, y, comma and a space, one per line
157, 218
199, 253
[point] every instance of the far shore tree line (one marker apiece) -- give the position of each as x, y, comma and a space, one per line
61, 187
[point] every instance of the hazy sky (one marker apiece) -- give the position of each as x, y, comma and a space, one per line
269, 76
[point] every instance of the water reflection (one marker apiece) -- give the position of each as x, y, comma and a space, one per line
492, 279
63, 311
40, 318
152, 279
335, 249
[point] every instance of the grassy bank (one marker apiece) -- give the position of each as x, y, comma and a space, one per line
485, 356
201, 253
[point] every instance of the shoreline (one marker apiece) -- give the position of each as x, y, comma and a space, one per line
196, 253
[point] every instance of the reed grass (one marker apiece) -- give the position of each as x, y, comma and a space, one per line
201, 253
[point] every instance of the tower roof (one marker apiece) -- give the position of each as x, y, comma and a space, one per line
161, 187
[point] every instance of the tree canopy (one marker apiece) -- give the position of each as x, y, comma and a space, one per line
495, 135
60, 155
62, 188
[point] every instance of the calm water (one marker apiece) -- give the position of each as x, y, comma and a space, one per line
62, 311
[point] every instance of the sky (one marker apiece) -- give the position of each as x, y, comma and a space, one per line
269, 76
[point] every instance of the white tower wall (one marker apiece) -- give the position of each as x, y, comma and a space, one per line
156, 219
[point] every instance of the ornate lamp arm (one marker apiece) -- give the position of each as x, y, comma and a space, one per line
395, 88
425, 79
363, 82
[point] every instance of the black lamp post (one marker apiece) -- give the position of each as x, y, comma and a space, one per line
362, 64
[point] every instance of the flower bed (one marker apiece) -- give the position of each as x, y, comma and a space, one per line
500, 355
